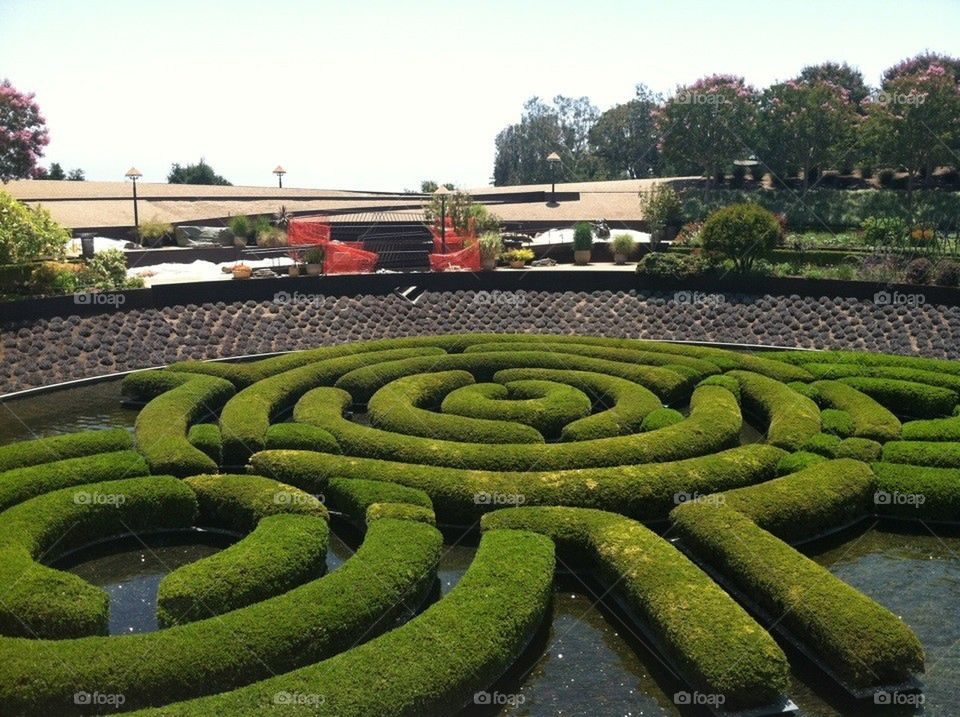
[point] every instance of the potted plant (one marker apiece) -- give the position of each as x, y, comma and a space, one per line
663, 210
623, 246
242, 271
491, 246
154, 232
518, 257
314, 259
582, 243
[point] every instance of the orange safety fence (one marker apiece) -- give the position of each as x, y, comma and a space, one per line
467, 258
462, 250
339, 257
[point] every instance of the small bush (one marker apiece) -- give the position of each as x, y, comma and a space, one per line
886, 178
241, 226
742, 233
883, 231
153, 232
947, 273
623, 244
918, 271
518, 255
27, 234
491, 246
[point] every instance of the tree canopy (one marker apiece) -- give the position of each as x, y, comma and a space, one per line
200, 173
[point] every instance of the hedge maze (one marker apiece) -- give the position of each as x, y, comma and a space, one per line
561, 453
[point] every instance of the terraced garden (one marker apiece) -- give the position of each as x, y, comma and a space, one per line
626, 464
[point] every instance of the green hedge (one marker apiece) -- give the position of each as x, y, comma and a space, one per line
146, 385
246, 418
395, 567
546, 406
906, 398
870, 419
923, 453
727, 382
838, 423
917, 492
400, 511
716, 644
37, 601
58, 448
282, 552
206, 437
402, 407
797, 462
661, 418
625, 403
161, 426
844, 370
791, 417
714, 423
435, 663
21, 484
300, 436
814, 500
860, 449
866, 359
935, 429
352, 496
239, 502
824, 444
461, 496
866, 644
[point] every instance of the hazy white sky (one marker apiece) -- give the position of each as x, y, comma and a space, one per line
379, 95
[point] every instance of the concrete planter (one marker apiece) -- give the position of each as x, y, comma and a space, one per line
314, 269
488, 264
581, 257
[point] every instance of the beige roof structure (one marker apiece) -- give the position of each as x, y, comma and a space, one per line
101, 205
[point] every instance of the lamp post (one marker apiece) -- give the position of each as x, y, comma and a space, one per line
442, 192
554, 160
134, 174
279, 171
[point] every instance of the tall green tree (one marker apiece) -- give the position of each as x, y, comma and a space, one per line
624, 138
839, 74
919, 64
56, 172
200, 173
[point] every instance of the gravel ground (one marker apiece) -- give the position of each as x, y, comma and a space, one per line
42, 352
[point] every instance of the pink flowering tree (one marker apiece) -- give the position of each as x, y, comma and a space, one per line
23, 133
805, 125
707, 125
914, 122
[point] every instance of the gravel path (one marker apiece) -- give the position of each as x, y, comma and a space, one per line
48, 351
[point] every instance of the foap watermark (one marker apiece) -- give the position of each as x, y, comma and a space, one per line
298, 699
500, 298
693, 97
904, 699
99, 699
897, 298
714, 499
900, 98
707, 699
882, 497
286, 298
84, 497
498, 698
485, 498
99, 298
296, 497
698, 298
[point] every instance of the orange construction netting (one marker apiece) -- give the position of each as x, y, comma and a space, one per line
339, 257
466, 258
462, 250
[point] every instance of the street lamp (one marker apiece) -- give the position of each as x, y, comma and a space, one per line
554, 160
134, 174
279, 171
442, 192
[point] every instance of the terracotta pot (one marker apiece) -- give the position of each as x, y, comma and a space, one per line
581, 257
619, 258
314, 269
516, 264
293, 270
488, 264
242, 272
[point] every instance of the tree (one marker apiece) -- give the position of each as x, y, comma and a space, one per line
200, 173
77, 175
428, 186
841, 75
28, 233
806, 125
914, 121
624, 138
56, 172
742, 233
919, 64
708, 124
23, 133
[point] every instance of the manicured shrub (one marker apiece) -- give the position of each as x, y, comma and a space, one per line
824, 444
742, 233
57, 448
923, 453
905, 397
392, 571
161, 426
727, 382
476, 633
866, 644
239, 502
282, 552
401, 407
714, 423
870, 419
843, 370
661, 418
790, 417
917, 492
717, 645
37, 601
460, 496
837, 422
935, 429
352, 496
866, 359
582, 237
861, 449
21, 484
300, 436
206, 437
400, 511
797, 462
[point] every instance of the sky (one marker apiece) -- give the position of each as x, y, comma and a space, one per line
380, 95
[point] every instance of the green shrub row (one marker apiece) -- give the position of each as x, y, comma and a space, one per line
661, 418
461, 496
724, 381
400, 511
863, 642
625, 403
917, 492
923, 453
394, 568
906, 398
402, 407
300, 436
21, 484
837, 422
865, 359
146, 385
546, 406
246, 418
206, 438
797, 461
282, 552
434, 664
791, 417
162, 425
352, 497
58, 448
934, 429
845, 370
860, 449
38, 601
870, 419
714, 424
239, 502
717, 646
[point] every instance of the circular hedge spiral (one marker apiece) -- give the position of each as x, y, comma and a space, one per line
560, 450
